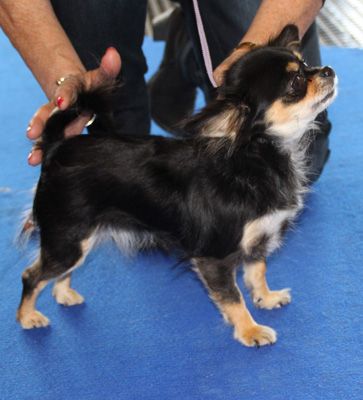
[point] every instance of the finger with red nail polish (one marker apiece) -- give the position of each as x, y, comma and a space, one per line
60, 101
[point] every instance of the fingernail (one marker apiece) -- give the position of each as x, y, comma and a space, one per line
59, 101
28, 128
30, 156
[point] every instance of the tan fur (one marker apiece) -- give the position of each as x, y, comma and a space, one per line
281, 112
263, 297
246, 330
64, 294
292, 66
291, 120
27, 314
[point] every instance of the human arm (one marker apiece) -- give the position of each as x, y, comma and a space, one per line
35, 32
271, 17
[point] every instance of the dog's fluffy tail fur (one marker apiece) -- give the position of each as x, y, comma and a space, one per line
96, 101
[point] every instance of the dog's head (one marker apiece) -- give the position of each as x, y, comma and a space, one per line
269, 86
277, 87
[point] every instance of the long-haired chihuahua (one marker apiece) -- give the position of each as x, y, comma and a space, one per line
223, 196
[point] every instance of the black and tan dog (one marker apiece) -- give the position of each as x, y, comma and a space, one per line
224, 196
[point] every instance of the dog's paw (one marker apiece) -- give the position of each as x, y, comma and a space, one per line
256, 335
272, 299
68, 297
34, 319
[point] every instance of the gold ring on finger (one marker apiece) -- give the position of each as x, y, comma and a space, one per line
90, 122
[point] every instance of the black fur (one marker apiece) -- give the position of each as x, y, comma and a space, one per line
200, 199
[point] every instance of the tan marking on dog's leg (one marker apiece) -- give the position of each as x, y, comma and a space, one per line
62, 291
246, 329
219, 277
27, 315
262, 296
64, 294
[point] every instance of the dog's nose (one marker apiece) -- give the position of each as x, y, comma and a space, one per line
327, 72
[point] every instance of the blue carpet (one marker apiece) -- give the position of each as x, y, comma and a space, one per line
149, 331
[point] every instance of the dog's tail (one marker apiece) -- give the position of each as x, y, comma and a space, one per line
93, 102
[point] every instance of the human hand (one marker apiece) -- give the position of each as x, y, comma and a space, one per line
236, 54
66, 94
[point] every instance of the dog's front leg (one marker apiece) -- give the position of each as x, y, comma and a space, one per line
64, 294
219, 277
262, 296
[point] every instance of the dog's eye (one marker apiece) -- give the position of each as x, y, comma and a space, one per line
298, 83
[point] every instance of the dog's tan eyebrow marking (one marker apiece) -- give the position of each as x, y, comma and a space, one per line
292, 66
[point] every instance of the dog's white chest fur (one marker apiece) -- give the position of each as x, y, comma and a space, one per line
267, 228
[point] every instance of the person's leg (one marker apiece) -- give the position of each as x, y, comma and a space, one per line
171, 92
92, 27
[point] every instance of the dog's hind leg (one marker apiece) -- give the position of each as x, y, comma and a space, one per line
262, 296
53, 262
219, 277
27, 315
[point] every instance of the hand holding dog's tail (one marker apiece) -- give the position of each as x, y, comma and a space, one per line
67, 94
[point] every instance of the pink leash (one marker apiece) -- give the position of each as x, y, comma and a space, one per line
204, 44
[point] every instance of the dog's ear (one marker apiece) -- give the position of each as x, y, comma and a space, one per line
244, 132
219, 118
289, 38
